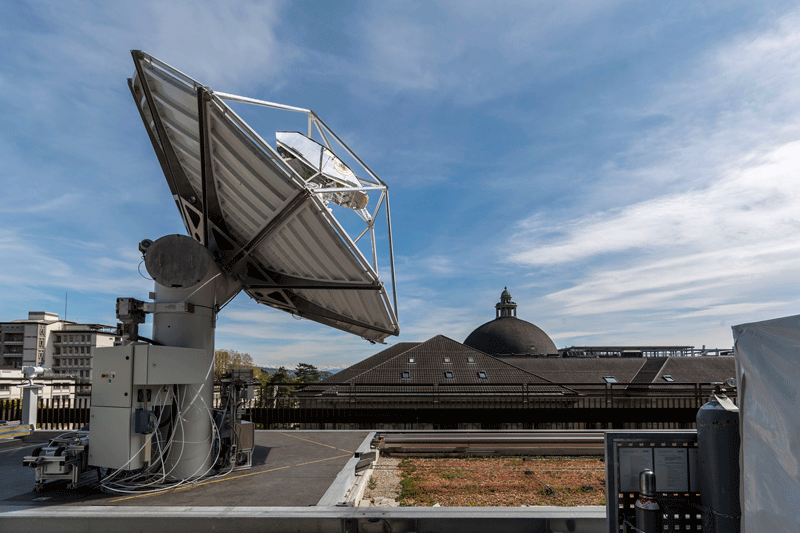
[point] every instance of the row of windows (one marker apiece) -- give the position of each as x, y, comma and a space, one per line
75, 349
448, 374
76, 362
74, 338
81, 373
446, 360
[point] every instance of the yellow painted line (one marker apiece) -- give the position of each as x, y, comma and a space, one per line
320, 460
314, 442
192, 485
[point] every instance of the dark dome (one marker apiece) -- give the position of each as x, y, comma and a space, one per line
508, 335
511, 336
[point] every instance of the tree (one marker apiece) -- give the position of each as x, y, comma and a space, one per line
225, 360
306, 373
278, 392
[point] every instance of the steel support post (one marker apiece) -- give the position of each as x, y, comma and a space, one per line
30, 403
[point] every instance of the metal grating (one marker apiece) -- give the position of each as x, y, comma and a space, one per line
681, 510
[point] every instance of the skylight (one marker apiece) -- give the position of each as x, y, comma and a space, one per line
610, 379
446, 359
667, 377
405, 374
412, 360
482, 375
448, 375
471, 360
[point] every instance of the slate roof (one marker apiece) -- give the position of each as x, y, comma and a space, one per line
370, 362
638, 370
383, 372
698, 369
569, 370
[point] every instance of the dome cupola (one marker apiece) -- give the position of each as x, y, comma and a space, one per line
507, 335
505, 307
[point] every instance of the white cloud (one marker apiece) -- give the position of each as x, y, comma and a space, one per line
233, 44
575, 334
474, 52
755, 205
49, 205
228, 46
43, 265
706, 225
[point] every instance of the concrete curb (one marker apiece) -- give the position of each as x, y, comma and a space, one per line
341, 493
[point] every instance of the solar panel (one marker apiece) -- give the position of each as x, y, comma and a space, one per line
263, 212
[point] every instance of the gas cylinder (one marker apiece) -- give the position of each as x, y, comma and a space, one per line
718, 454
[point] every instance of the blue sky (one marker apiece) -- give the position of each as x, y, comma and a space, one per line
629, 170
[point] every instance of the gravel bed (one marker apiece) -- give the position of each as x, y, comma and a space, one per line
384, 486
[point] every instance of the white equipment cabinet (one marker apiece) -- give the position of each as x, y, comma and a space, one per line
127, 378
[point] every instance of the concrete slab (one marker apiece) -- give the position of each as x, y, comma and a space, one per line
290, 468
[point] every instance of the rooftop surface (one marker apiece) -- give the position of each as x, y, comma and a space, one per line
296, 480
290, 468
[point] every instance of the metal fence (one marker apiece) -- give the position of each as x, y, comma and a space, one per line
439, 406
54, 414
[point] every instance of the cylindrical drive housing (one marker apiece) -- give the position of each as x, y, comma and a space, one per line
185, 273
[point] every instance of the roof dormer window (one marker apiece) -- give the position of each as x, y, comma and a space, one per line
411, 360
446, 359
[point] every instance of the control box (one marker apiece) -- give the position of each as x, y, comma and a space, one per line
130, 378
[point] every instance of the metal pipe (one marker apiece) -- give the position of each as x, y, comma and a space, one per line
347, 148
346, 189
391, 257
264, 103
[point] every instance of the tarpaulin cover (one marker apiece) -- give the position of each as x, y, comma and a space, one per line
768, 372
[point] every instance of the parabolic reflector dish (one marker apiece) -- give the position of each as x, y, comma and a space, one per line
263, 212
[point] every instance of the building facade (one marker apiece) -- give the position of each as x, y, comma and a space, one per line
66, 348
28, 342
73, 350
55, 388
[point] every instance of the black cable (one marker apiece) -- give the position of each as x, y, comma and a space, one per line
151, 341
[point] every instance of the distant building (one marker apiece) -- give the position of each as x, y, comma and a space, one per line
642, 351
439, 371
54, 387
511, 363
28, 342
63, 346
73, 350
